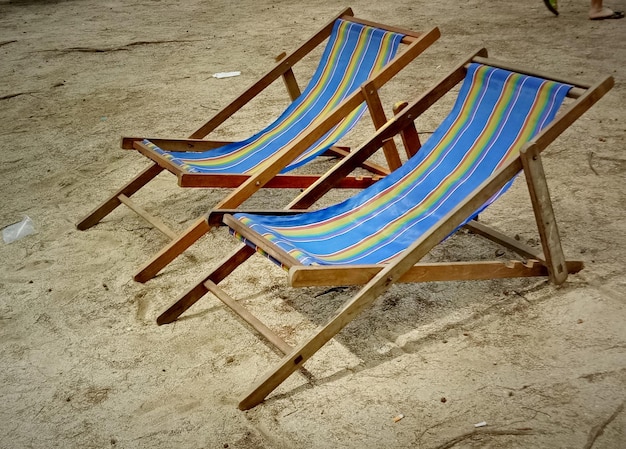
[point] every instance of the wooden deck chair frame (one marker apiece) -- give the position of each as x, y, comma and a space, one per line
406, 267
245, 185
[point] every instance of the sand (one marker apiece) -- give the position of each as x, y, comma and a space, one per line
84, 364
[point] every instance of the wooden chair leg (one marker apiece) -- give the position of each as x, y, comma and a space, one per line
377, 114
409, 135
294, 360
544, 215
174, 249
93, 217
290, 80
240, 255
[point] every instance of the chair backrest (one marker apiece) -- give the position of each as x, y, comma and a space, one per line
354, 53
495, 114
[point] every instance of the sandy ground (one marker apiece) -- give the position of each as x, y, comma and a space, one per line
85, 366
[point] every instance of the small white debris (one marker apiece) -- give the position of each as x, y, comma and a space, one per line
18, 230
480, 424
220, 75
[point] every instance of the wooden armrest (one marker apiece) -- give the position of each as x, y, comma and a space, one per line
191, 145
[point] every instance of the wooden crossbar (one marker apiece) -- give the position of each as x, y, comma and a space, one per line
498, 237
286, 181
189, 145
154, 221
248, 317
195, 293
329, 276
367, 165
409, 135
104, 209
289, 79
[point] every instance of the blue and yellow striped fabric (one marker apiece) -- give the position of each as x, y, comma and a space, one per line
495, 114
354, 53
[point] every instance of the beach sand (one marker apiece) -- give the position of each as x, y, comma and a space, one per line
84, 364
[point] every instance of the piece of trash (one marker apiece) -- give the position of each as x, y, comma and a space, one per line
480, 424
18, 230
398, 418
225, 74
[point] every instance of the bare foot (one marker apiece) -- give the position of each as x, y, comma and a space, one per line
604, 13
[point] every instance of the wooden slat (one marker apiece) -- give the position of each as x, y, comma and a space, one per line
154, 221
190, 145
289, 79
248, 317
172, 249
410, 137
329, 276
377, 113
158, 158
544, 215
383, 26
105, 208
229, 180
195, 293
495, 236
525, 71
336, 151
367, 165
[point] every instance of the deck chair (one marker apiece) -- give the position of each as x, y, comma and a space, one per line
359, 58
503, 118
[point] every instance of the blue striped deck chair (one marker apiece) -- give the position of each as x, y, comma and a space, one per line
503, 118
359, 57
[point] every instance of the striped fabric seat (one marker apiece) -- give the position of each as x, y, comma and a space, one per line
495, 114
353, 53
